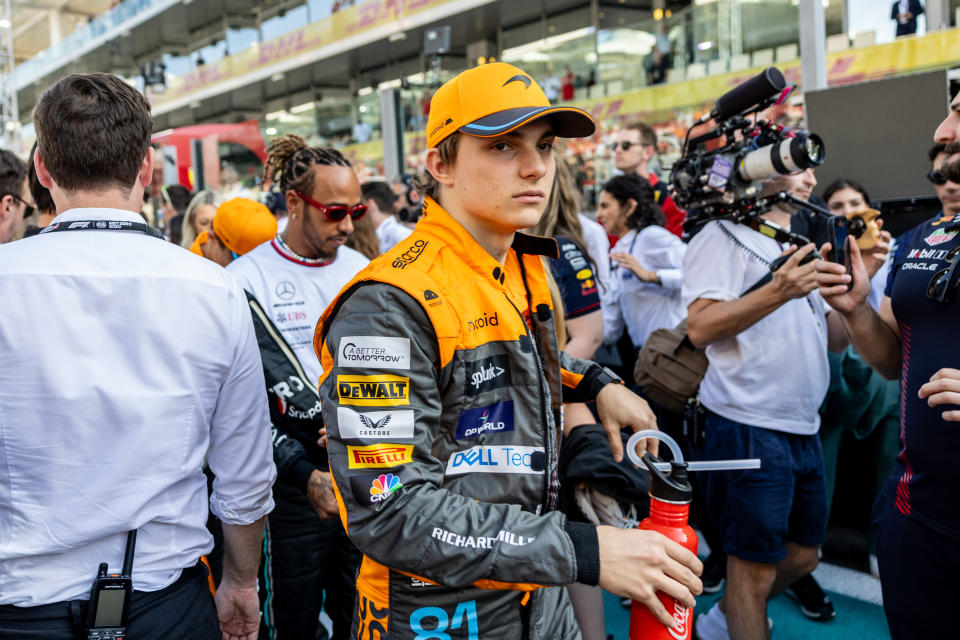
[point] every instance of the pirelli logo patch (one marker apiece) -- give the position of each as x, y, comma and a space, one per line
379, 456
373, 391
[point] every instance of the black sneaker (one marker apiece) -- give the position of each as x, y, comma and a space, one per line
714, 572
811, 599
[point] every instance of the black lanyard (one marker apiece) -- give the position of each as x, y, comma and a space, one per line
104, 225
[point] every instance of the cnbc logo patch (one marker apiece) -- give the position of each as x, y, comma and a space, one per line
383, 485
379, 456
370, 489
369, 391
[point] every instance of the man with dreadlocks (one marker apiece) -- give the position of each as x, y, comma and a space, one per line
293, 278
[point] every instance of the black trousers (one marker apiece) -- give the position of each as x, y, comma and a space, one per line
918, 575
184, 610
307, 563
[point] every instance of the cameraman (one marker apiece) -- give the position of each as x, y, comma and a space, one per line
772, 519
912, 336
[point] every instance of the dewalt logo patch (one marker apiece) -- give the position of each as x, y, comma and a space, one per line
373, 391
379, 456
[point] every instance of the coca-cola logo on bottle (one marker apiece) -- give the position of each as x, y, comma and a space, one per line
681, 619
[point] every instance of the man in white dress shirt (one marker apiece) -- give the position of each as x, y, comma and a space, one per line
124, 362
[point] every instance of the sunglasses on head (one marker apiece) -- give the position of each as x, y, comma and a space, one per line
625, 145
945, 282
937, 178
335, 212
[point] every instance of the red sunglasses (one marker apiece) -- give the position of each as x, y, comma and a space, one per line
336, 212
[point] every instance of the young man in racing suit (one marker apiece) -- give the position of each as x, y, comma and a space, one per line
441, 397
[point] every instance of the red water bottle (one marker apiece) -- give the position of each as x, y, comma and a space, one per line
670, 496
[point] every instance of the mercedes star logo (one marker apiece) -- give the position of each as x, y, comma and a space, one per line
285, 290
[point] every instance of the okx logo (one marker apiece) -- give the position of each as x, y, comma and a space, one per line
487, 374
495, 418
371, 391
506, 459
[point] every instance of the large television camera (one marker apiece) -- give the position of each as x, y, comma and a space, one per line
724, 180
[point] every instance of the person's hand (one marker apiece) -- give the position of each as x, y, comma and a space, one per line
637, 564
630, 262
833, 280
321, 496
322, 439
619, 407
875, 257
238, 608
944, 388
795, 280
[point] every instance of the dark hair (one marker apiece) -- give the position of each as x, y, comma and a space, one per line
936, 150
291, 160
843, 183
631, 186
381, 193
93, 131
647, 135
177, 196
41, 195
426, 184
12, 172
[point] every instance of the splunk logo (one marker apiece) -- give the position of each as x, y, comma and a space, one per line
496, 418
487, 374
486, 320
373, 390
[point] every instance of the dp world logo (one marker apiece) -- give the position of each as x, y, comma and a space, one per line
285, 290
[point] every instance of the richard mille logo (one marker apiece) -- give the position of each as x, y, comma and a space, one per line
285, 290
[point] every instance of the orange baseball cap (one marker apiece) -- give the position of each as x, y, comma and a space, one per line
242, 224
492, 99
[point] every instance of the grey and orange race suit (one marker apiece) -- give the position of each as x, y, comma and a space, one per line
441, 394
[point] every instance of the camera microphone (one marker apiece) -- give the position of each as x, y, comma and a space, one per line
755, 90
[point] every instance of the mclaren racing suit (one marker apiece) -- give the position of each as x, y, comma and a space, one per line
441, 394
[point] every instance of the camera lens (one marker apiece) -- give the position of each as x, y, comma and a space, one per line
803, 151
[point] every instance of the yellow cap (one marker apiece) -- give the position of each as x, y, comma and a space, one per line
242, 224
201, 240
492, 99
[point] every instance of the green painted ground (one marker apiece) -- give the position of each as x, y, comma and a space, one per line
856, 619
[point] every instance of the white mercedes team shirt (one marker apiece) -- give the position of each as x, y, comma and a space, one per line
124, 360
775, 373
294, 293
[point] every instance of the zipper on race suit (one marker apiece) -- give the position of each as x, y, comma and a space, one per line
541, 377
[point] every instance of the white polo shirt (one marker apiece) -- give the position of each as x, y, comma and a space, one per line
294, 293
124, 360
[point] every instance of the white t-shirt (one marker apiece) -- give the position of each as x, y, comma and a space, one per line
294, 294
775, 373
645, 306
390, 232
